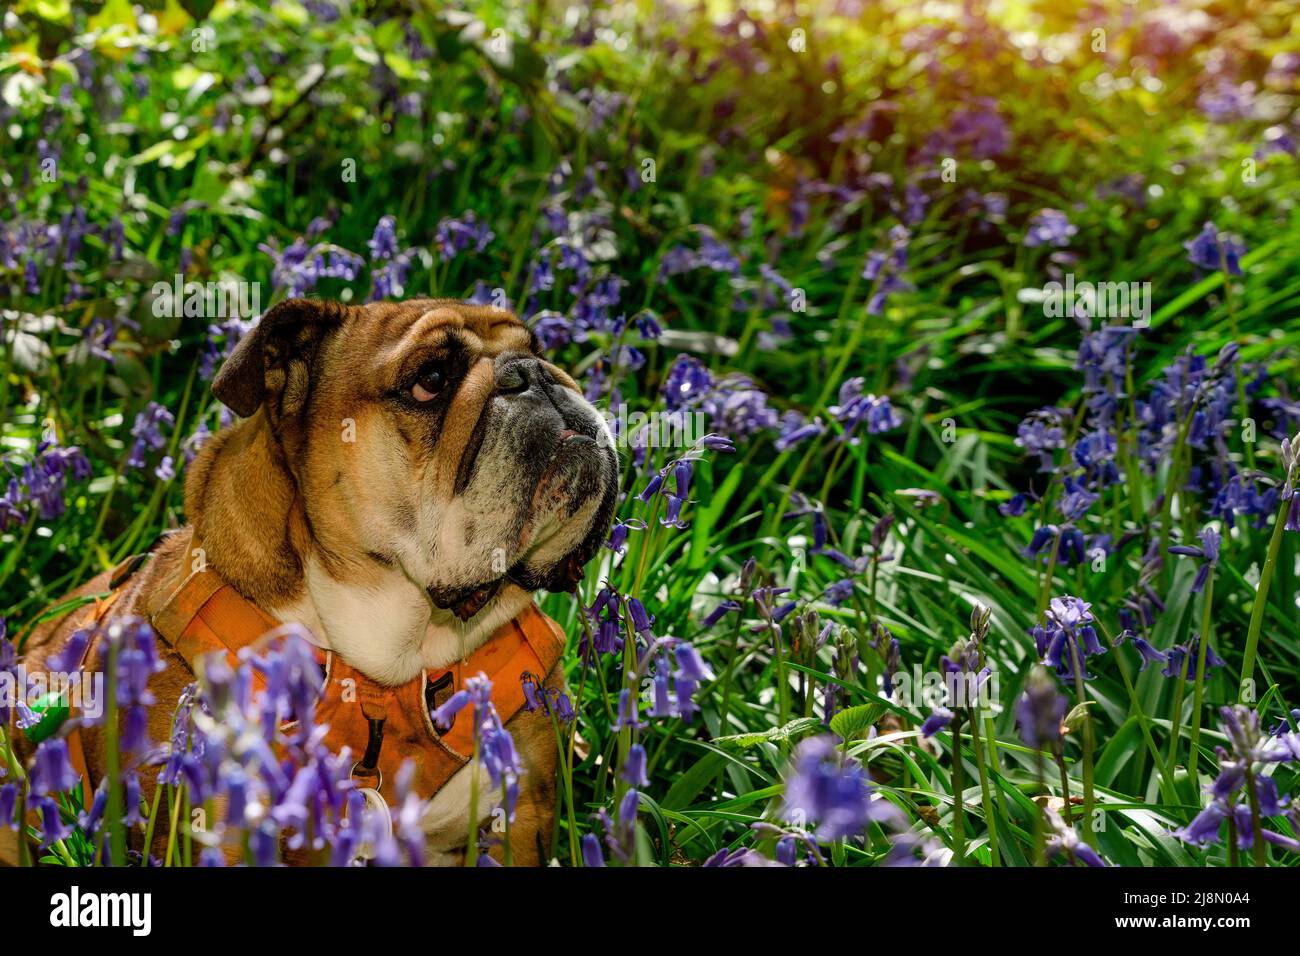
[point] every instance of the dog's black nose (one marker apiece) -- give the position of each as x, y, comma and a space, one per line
517, 374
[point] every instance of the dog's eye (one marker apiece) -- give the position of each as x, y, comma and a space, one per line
430, 382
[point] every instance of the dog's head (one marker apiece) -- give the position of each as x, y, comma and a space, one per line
430, 436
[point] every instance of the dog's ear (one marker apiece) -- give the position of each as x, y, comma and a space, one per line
272, 364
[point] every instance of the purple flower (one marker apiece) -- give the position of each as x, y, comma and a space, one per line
634, 769
1063, 840
1208, 553
1040, 710
1042, 432
1226, 102
1213, 250
939, 718
796, 429
1149, 654
454, 236
1247, 746
300, 266
1015, 506
383, 243
627, 711
1049, 227
856, 408
717, 614
642, 620
591, 853
1067, 632
687, 382
690, 665
617, 541
52, 771
885, 267
832, 789
148, 434
8, 805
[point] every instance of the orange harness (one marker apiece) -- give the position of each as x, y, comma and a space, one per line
381, 725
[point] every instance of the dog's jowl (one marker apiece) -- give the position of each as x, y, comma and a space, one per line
400, 480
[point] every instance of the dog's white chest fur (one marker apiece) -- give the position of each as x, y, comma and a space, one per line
388, 630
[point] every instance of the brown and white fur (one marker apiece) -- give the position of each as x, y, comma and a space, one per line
399, 522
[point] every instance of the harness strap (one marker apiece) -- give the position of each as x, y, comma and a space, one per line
205, 614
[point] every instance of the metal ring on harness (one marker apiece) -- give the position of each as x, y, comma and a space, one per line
368, 765
360, 771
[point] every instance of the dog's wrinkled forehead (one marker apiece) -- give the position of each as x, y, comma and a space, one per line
386, 340
393, 328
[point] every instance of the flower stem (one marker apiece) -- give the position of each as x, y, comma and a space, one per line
1040, 837
958, 807
1066, 811
986, 796
113, 762
1261, 602
1198, 695
24, 856
1088, 744
471, 843
1256, 832
1176, 719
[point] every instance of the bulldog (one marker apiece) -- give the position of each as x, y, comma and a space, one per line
402, 478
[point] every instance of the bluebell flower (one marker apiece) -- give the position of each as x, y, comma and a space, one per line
628, 716
1188, 655
1063, 840
454, 236
1208, 553
714, 616
8, 806
1213, 250
687, 382
1049, 227
856, 407
796, 429
737, 408
1148, 653
940, 717
1247, 746
148, 434
634, 769
832, 789
591, 852
1040, 710
1041, 433
617, 541
52, 770
1067, 632
1014, 507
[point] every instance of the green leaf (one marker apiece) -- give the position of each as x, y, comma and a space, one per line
856, 720
794, 728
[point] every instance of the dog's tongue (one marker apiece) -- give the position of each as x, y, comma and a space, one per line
464, 602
